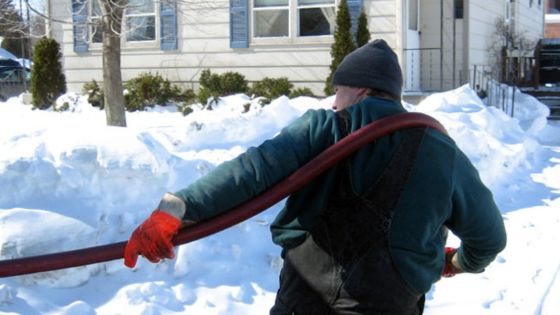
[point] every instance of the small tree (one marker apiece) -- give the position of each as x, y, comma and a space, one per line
507, 39
343, 43
47, 79
362, 35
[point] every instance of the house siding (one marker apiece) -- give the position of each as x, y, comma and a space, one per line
482, 28
442, 48
530, 19
204, 43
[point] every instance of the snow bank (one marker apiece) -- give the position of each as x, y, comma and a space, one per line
45, 238
496, 143
68, 181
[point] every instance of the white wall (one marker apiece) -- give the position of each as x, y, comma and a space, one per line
481, 34
203, 43
443, 44
382, 20
530, 19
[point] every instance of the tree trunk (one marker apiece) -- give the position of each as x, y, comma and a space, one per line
112, 78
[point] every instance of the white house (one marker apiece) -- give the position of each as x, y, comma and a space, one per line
437, 41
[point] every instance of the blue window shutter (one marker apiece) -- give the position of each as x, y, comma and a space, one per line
354, 8
79, 25
238, 24
168, 24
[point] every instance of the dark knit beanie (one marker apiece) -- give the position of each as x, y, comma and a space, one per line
373, 65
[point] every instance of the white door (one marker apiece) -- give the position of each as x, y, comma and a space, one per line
412, 51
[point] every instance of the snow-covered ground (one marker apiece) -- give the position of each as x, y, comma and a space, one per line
67, 181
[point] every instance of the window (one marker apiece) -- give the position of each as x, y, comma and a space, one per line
140, 21
271, 18
14, 75
459, 9
145, 22
553, 7
413, 15
95, 31
285, 21
316, 17
293, 18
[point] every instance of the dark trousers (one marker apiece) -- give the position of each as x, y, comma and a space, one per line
328, 290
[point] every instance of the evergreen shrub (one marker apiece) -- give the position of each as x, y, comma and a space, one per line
302, 91
147, 90
187, 100
94, 93
47, 79
363, 34
271, 88
215, 85
343, 43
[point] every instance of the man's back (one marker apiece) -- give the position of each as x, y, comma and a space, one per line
440, 189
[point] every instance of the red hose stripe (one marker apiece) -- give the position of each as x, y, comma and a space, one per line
298, 179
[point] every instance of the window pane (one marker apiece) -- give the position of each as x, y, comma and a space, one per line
553, 7
270, 3
271, 23
307, 2
139, 7
317, 21
95, 8
458, 9
413, 15
140, 28
96, 35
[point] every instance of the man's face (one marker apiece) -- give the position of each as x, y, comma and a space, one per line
347, 96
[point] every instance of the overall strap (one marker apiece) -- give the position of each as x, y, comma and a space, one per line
386, 191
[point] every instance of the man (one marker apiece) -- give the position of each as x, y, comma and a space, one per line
368, 236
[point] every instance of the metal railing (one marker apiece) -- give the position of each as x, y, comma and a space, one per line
494, 93
423, 70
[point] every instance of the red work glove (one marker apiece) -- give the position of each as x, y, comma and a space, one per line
449, 270
152, 239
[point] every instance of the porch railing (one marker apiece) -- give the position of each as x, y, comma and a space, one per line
494, 93
423, 70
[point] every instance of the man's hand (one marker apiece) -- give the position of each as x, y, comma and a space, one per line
451, 267
152, 239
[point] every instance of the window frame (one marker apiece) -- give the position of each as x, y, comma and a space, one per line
126, 44
154, 13
271, 8
293, 26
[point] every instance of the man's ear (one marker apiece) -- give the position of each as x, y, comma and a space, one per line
362, 92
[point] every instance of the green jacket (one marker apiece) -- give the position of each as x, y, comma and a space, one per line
444, 190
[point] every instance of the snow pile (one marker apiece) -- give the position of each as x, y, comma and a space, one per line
68, 181
496, 144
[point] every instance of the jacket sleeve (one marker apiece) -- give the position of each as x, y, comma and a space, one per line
240, 179
475, 218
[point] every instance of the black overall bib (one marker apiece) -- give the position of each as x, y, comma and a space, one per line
344, 265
